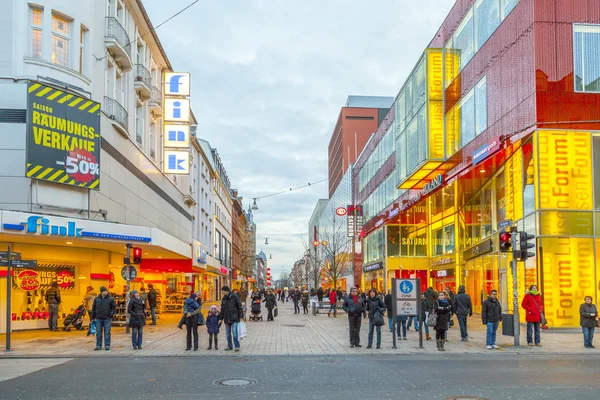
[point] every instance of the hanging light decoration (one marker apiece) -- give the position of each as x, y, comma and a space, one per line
254, 205
266, 240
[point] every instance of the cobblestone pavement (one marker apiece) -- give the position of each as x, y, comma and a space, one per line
289, 334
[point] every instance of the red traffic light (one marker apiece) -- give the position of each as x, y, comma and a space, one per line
505, 241
137, 255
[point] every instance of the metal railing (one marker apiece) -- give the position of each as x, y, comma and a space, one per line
115, 30
138, 138
152, 153
156, 95
116, 112
143, 75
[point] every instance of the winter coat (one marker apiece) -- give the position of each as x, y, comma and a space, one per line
296, 295
243, 295
231, 309
533, 307
190, 305
137, 313
270, 301
339, 294
320, 294
212, 323
104, 307
461, 304
89, 300
332, 297
388, 300
305, 298
53, 296
585, 318
152, 297
491, 311
443, 311
425, 308
354, 309
375, 304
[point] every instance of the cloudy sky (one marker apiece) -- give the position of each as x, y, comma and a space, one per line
269, 78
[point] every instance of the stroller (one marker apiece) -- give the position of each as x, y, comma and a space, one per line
75, 319
255, 312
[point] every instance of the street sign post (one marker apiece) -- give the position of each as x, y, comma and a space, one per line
406, 301
13, 255
8, 299
129, 272
504, 224
18, 263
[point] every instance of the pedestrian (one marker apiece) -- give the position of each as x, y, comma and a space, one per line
53, 300
491, 314
463, 308
103, 310
388, 300
332, 304
443, 308
425, 310
375, 306
401, 322
270, 302
89, 297
355, 308
296, 296
152, 302
588, 319
533, 305
282, 296
144, 297
213, 326
137, 319
231, 313
338, 293
243, 295
305, 298
191, 321
320, 294
450, 320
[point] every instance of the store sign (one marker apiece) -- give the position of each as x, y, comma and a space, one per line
435, 105
63, 137
176, 162
373, 267
341, 211
177, 136
223, 270
442, 261
433, 184
485, 151
176, 130
201, 256
478, 250
177, 84
443, 273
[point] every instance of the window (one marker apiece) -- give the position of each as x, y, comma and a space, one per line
153, 142
587, 57
463, 40
487, 19
470, 114
60, 40
82, 42
37, 17
139, 123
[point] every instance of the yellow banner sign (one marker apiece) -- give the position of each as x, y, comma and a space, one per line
435, 89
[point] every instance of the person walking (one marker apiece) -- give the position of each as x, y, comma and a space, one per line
332, 304
89, 297
588, 318
137, 319
191, 321
388, 300
355, 308
320, 294
152, 302
425, 310
231, 313
103, 309
533, 305
305, 298
375, 306
442, 308
491, 314
270, 302
213, 326
463, 308
296, 296
53, 300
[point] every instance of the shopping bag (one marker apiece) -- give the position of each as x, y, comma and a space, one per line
275, 312
432, 320
378, 319
242, 330
92, 328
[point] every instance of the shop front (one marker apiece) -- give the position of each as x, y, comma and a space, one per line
373, 276
443, 273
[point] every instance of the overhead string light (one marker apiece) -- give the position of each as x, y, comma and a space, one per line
255, 205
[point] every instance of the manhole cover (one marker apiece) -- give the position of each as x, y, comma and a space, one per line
235, 382
294, 326
466, 398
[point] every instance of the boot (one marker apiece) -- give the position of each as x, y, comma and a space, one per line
439, 344
427, 336
210, 339
216, 343
442, 343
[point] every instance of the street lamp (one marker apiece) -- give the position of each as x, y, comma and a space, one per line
254, 205
266, 240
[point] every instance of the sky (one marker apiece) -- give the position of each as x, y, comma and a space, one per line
268, 80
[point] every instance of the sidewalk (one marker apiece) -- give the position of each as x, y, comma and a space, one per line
289, 334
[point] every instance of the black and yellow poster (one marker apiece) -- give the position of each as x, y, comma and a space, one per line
63, 137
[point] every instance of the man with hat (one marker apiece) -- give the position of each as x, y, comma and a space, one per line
231, 313
103, 310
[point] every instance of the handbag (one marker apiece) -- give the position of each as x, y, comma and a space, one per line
378, 319
276, 312
543, 321
432, 320
242, 333
201, 320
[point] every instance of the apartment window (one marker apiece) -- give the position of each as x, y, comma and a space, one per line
60, 40
153, 140
463, 40
470, 114
37, 17
587, 57
487, 19
139, 124
82, 42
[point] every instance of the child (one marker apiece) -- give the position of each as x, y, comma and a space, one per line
212, 326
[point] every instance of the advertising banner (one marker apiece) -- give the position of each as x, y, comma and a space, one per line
63, 137
43, 276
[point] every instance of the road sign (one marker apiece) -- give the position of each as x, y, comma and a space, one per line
505, 224
13, 255
129, 272
406, 302
19, 263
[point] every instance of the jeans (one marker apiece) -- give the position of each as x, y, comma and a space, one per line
270, 315
410, 322
136, 336
332, 306
296, 308
490, 336
425, 323
391, 324
533, 326
153, 313
191, 327
588, 335
401, 323
354, 328
103, 325
305, 307
462, 322
229, 329
371, 328
53, 319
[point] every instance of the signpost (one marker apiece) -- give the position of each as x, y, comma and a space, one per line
8, 299
18, 263
504, 224
406, 301
129, 273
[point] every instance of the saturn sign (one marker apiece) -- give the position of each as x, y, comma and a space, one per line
341, 211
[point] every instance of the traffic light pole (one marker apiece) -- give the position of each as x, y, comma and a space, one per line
128, 255
517, 326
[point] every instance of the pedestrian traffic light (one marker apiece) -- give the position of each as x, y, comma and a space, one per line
505, 241
524, 245
137, 255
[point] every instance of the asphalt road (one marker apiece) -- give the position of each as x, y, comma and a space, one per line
311, 377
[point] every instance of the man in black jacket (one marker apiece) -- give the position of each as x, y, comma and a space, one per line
296, 297
103, 310
152, 302
53, 300
491, 314
355, 307
388, 300
231, 313
462, 307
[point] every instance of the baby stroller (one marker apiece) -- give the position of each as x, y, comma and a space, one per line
255, 313
75, 319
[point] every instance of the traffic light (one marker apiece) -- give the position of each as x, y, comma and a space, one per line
505, 241
137, 255
524, 245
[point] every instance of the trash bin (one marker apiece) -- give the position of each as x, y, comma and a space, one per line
508, 325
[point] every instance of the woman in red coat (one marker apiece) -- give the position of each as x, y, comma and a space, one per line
532, 303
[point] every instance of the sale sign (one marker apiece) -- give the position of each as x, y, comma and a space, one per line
44, 275
28, 280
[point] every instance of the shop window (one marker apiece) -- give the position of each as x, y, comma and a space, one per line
448, 193
421, 245
437, 239
393, 241
487, 19
449, 238
587, 57
437, 203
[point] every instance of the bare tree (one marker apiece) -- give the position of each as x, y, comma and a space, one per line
336, 251
314, 262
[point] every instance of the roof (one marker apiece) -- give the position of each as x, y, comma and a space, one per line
208, 152
369, 101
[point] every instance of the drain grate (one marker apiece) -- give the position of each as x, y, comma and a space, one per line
294, 326
232, 382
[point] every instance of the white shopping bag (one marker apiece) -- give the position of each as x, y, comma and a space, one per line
242, 330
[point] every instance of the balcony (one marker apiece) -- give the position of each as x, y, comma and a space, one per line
155, 102
143, 82
117, 43
117, 114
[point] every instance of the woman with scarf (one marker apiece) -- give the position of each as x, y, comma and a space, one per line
137, 319
442, 308
532, 303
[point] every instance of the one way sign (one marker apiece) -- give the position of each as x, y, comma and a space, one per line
177, 162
